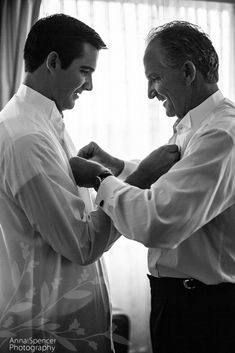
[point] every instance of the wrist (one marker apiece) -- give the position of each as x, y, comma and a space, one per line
117, 166
100, 177
137, 179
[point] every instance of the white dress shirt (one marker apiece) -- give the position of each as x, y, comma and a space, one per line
187, 218
52, 282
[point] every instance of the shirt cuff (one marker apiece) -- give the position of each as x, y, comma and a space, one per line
129, 167
106, 189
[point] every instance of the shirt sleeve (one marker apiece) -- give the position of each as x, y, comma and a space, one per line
129, 167
41, 183
194, 191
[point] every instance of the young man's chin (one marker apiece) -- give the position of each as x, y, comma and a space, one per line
170, 112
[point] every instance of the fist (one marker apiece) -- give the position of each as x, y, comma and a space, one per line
93, 152
160, 160
154, 166
85, 171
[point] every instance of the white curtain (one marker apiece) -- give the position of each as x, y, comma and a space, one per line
16, 18
119, 116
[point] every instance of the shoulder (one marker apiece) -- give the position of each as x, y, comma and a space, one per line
221, 122
22, 128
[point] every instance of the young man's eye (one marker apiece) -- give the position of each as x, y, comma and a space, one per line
84, 72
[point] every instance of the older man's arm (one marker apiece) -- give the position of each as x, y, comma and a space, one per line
144, 175
154, 166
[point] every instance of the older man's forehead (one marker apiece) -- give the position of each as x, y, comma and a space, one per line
154, 49
153, 56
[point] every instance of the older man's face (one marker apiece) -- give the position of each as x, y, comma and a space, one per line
166, 84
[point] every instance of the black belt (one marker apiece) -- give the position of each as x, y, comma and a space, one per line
186, 283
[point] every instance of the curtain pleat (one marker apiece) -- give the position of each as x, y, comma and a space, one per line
16, 18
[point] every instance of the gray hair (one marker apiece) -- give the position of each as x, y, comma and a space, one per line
182, 41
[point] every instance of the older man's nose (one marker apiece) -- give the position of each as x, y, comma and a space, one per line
152, 93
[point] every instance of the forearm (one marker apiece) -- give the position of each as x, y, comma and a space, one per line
116, 166
152, 217
59, 217
101, 226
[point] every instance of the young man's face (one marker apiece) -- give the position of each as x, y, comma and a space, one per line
164, 83
70, 82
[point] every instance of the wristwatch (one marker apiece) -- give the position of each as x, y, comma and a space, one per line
100, 177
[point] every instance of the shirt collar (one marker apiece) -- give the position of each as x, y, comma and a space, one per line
45, 107
194, 118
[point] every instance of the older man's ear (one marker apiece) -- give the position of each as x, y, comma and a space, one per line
189, 71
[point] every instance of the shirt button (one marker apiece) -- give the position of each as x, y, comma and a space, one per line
101, 203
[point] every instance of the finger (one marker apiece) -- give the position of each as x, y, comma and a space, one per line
86, 151
175, 156
82, 153
173, 148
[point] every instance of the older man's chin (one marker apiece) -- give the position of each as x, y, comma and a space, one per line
170, 112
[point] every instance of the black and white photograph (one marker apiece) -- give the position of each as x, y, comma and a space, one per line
117, 176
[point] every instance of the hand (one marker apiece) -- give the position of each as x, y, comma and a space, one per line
93, 152
85, 171
153, 166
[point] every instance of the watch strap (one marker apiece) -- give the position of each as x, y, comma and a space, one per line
100, 177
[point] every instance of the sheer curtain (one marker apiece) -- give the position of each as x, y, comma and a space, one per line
119, 116
16, 18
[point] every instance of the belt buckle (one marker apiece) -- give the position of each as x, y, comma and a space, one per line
188, 283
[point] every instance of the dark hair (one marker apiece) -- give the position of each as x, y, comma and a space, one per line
182, 41
62, 34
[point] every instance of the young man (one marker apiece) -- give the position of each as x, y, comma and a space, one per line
53, 295
187, 217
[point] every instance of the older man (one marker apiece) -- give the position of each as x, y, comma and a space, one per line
187, 217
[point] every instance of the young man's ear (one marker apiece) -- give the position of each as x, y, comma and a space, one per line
189, 71
53, 61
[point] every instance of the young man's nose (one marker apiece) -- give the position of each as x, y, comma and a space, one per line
88, 85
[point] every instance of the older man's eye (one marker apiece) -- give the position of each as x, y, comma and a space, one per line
156, 78
84, 72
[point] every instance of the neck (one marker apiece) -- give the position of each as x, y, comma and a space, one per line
37, 82
200, 91
32, 82
203, 95
40, 82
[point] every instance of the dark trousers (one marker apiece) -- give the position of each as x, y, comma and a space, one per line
191, 317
